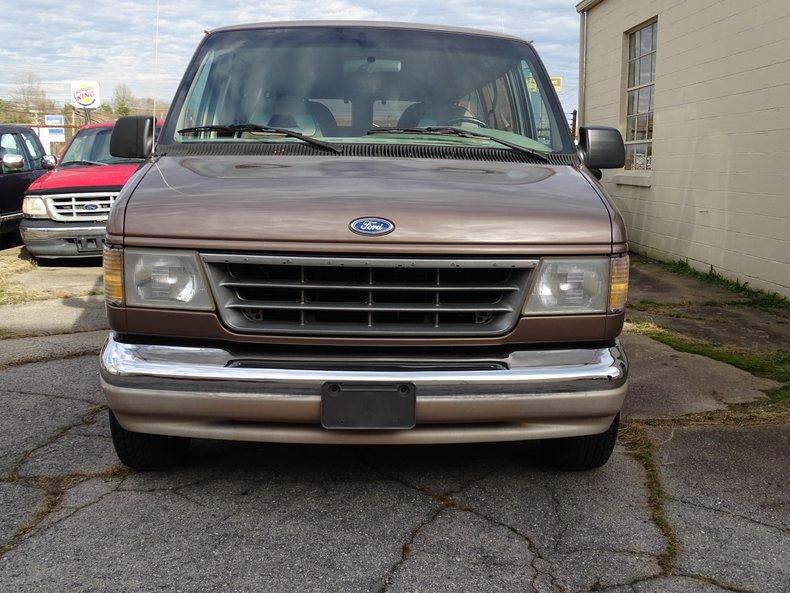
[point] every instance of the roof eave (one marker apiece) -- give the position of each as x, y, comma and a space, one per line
586, 5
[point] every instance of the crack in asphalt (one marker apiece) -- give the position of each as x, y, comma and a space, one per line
55, 357
54, 487
658, 578
728, 513
446, 501
385, 581
40, 394
87, 418
560, 519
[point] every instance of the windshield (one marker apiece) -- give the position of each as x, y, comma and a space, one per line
349, 84
91, 146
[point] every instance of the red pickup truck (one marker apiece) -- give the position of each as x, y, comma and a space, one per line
65, 210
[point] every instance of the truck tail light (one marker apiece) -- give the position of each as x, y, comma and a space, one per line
618, 288
112, 263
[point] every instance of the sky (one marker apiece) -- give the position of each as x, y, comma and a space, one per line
112, 41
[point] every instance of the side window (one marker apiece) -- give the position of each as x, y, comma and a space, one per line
639, 98
473, 105
9, 144
33, 150
195, 108
498, 105
539, 113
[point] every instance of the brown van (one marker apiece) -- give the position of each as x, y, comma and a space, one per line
371, 233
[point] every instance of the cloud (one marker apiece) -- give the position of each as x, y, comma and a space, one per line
113, 41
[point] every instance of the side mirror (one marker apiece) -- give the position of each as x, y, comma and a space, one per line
132, 137
13, 162
49, 161
601, 147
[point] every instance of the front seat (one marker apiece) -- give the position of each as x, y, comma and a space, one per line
421, 115
322, 115
291, 114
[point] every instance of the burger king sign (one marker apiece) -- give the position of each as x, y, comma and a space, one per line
85, 94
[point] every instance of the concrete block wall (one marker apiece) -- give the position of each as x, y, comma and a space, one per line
719, 192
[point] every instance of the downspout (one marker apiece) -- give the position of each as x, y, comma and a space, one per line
582, 66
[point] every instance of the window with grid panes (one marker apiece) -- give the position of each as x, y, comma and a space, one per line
639, 98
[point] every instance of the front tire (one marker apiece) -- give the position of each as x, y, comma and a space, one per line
582, 453
147, 452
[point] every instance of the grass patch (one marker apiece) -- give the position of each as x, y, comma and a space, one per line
756, 413
769, 302
13, 262
773, 365
634, 436
16, 261
781, 395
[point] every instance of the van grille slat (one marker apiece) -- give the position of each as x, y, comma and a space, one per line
239, 283
336, 295
372, 307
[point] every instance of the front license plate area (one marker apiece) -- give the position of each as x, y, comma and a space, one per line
89, 244
362, 406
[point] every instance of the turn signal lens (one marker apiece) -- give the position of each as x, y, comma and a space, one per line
618, 290
112, 263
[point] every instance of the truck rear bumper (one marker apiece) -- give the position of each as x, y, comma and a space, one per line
49, 238
214, 393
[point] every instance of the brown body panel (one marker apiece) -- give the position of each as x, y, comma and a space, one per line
243, 199
167, 323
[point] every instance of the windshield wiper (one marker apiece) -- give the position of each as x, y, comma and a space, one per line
239, 128
451, 131
81, 162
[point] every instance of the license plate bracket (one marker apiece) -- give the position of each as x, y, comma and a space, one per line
366, 406
89, 243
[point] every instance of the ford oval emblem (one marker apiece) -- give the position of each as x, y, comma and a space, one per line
371, 226
90, 207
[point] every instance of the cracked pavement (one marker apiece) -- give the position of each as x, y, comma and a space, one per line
246, 516
479, 518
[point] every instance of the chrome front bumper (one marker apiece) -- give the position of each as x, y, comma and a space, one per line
204, 392
49, 238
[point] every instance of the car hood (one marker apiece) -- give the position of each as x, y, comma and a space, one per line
84, 178
313, 199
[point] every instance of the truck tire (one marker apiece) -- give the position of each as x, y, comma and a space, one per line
581, 453
146, 452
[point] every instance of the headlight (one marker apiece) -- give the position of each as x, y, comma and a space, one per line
167, 278
34, 207
570, 286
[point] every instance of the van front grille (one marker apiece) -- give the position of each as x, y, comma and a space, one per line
357, 296
80, 207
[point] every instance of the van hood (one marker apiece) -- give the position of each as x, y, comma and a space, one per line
314, 199
84, 178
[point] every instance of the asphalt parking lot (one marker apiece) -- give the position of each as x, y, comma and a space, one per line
696, 497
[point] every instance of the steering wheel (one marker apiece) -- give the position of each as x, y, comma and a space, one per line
465, 119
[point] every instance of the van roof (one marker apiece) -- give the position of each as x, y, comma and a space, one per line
368, 24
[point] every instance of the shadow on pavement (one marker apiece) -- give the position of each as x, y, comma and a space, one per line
354, 461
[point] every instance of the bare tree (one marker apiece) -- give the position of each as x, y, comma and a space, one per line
123, 99
30, 95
